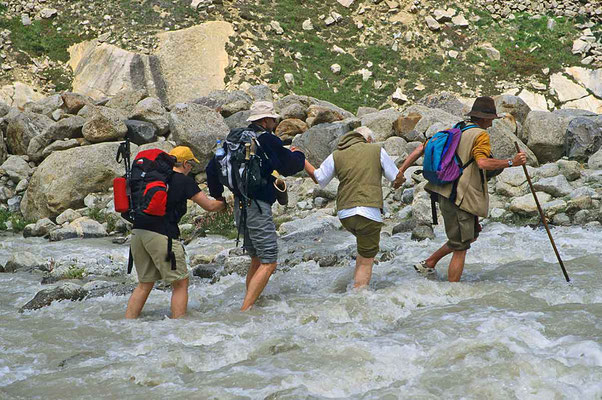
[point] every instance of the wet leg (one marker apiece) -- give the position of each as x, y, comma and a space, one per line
179, 298
138, 299
255, 263
456, 266
257, 283
363, 271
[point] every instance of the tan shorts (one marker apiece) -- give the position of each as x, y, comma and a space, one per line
366, 232
461, 227
149, 250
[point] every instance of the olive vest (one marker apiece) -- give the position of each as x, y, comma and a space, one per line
357, 166
472, 194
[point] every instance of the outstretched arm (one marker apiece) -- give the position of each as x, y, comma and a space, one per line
416, 154
310, 169
208, 204
490, 164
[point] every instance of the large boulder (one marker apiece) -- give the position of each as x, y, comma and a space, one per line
526, 204
22, 127
238, 120
381, 123
102, 70
151, 110
18, 94
545, 134
321, 115
197, 127
319, 141
396, 147
193, 61
73, 102
45, 297
503, 138
24, 260
591, 79
106, 124
557, 186
67, 128
583, 137
65, 178
512, 105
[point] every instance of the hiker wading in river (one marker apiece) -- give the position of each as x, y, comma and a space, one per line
359, 165
462, 206
253, 207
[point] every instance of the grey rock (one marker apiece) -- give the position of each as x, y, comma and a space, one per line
381, 123
445, 101
42, 227
106, 124
430, 116
63, 234
407, 225
570, 169
67, 128
595, 161
561, 219
74, 102
329, 192
14, 204
396, 147
238, 120
545, 134
310, 226
45, 297
22, 127
261, 93
24, 260
514, 106
319, 141
421, 208
16, 168
583, 138
141, 132
582, 192
503, 139
294, 110
582, 217
422, 232
236, 265
407, 196
526, 204
126, 100
548, 170
362, 111
197, 127
320, 202
68, 215
557, 186
207, 271
45, 106
91, 169
151, 110
59, 145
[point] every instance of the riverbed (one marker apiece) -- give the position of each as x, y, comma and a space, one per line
512, 329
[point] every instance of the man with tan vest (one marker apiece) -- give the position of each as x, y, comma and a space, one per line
359, 165
470, 199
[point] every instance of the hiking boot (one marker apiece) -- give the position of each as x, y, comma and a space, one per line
422, 268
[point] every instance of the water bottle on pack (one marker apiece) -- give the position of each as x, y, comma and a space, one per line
219, 151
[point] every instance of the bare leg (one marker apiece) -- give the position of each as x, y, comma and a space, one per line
256, 284
456, 266
432, 261
179, 298
363, 271
138, 299
255, 263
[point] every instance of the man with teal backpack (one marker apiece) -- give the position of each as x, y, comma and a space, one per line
454, 165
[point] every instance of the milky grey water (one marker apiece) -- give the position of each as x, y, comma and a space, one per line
511, 329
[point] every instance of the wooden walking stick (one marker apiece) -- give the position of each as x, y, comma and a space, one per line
543, 219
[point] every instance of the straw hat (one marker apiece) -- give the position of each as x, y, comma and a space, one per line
262, 109
483, 107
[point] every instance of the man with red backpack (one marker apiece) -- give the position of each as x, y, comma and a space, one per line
157, 253
466, 199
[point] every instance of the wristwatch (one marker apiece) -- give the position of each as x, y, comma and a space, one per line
510, 163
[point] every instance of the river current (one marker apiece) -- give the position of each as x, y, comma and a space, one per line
512, 329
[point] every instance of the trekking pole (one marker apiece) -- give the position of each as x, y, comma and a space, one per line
543, 219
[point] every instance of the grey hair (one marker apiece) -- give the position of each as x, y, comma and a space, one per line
366, 133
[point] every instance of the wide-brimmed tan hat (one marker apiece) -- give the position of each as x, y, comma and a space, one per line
262, 109
183, 154
483, 107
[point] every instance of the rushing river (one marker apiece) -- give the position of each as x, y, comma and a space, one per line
512, 329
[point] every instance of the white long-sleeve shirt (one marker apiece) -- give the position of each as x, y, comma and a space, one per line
326, 172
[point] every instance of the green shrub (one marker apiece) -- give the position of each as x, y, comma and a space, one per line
221, 223
17, 221
75, 272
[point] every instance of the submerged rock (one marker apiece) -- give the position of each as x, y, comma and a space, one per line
45, 297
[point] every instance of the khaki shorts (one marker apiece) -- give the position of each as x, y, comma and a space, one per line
149, 250
366, 232
461, 227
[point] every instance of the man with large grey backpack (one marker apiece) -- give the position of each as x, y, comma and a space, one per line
455, 163
245, 164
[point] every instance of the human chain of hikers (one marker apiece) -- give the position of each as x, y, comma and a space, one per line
457, 163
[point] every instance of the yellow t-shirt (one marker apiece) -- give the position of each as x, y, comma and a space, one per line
481, 147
